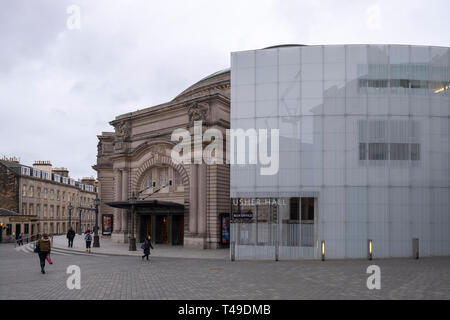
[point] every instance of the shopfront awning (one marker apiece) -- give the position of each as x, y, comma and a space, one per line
149, 206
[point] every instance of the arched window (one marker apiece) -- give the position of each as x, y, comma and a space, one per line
148, 180
163, 177
178, 181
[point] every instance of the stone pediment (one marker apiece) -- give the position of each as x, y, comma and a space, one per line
122, 135
159, 149
153, 148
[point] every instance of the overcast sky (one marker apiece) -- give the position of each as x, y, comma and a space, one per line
60, 87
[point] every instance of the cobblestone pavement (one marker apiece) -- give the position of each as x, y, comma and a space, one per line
128, 277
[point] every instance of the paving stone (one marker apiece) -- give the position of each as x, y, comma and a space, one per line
128, 277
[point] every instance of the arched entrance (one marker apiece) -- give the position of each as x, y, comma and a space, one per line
165, 226
157, 191
159, 219
160, 179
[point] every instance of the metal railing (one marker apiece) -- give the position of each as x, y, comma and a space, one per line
31, 238
272, 240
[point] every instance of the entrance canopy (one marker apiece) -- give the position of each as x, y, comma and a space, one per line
149, 206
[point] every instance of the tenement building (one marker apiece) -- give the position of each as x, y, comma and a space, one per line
36, 199
363, 151
177, 204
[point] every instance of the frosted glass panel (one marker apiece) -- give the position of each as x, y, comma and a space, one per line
363, 129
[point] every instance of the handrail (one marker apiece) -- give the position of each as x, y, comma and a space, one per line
32, 238
27, 239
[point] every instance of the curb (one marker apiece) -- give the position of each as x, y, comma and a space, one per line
77, 251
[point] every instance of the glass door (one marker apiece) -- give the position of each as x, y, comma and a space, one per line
161, 230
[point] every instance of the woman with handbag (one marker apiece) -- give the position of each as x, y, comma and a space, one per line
43, 248
146, 247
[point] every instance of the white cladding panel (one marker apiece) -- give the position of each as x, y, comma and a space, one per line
367, 126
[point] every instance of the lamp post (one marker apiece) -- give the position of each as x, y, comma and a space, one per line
132, 240
96, 237
70, 207
80, 222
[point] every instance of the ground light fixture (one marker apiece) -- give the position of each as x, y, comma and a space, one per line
322, 249
369, 249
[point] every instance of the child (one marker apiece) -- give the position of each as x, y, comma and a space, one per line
88, 239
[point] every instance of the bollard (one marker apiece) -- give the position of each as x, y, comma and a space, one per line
415, 246
233, 248
277, 248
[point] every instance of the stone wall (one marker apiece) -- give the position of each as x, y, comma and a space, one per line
9, 189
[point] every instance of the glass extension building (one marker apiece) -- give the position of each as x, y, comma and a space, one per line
364, 151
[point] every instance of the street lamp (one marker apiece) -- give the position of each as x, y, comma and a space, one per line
70, 207
80, 222
96, 237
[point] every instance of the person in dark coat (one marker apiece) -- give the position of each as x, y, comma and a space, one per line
70, 236
43, 247
20, 239
146, 247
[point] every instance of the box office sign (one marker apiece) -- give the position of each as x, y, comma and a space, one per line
243, 215
19, 219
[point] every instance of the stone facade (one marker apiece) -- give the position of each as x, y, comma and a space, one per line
45, 199
136, 159
9, 189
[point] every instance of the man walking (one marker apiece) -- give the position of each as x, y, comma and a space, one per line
70, 236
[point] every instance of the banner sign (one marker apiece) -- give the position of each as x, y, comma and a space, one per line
107, 224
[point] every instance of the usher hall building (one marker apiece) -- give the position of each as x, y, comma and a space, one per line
363, 153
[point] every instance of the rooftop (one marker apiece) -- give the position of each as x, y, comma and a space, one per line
6, 212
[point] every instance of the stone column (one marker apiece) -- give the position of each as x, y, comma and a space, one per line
124, 198
201, 222
118, 197
169, 229
193, 198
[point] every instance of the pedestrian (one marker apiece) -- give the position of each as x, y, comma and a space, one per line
20, 239
43, 248
146, 247
70, 236
88, 239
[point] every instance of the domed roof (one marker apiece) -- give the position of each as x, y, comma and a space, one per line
221, 77
286, 46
